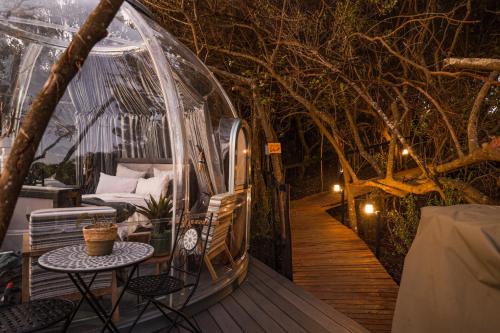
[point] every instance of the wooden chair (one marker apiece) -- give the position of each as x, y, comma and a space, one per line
221, 206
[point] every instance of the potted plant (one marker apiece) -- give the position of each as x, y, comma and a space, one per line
99, 236
159, 212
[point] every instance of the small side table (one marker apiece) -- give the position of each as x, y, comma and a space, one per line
73, 260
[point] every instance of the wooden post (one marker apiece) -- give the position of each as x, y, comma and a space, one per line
321, 161
287, 253
377, 235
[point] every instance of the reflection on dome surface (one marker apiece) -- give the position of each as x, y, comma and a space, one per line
140, 95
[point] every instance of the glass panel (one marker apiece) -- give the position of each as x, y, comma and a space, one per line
112, 109
49, 22
241, 161
238, 244
141, 95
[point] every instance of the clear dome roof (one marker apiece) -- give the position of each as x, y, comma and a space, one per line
141, 94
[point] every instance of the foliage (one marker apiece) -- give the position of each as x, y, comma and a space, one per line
97, 221
402, 222
157, 210
381, 62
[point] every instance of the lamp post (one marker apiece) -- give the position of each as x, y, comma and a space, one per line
338, 189
404, 153
370, 209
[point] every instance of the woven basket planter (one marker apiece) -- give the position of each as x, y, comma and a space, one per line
99, 239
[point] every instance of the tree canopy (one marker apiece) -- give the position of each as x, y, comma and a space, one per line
373, 78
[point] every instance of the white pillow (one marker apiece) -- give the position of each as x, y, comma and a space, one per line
115, 184
163, 173
156, 186
123, 171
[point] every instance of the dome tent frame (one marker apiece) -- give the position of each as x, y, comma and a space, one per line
162, 70
141, 97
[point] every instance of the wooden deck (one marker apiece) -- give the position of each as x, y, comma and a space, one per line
332, 263
268, 302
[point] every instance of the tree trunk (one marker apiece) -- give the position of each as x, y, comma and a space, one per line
351, 202
276, 163
29, 136
305, 147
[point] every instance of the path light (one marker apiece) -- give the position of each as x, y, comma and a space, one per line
338, 189
369, 208
405, 152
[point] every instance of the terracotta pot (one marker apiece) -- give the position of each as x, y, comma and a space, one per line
99, 240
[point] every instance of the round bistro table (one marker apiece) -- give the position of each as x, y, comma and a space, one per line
74, 261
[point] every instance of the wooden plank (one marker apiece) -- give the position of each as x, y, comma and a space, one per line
256, 312
331, 262
223, 319
240, 315
334, 323
287, 323
307, 297
294, 312
207, 323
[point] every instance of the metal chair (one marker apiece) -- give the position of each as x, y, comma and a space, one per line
34, 316
182, 277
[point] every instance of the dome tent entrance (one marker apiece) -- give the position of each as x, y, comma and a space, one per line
141, 95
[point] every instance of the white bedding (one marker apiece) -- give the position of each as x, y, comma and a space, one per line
135, 220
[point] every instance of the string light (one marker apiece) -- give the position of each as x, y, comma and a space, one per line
405, 152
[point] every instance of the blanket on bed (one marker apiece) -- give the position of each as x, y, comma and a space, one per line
123, 209
135, 220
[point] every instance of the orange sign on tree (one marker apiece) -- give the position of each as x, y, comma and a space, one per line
273, 148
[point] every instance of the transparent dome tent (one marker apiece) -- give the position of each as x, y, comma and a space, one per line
142, 99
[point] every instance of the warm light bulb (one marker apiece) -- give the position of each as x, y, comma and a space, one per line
369, 209
245, 151
405, 152
337, 188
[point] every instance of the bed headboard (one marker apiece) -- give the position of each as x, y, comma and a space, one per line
146, 164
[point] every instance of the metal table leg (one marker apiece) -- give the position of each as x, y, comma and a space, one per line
87, 295
124, 288
75, 310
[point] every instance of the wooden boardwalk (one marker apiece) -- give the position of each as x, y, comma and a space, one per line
268, 302
332, 263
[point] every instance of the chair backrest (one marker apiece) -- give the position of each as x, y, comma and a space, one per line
190, 247
222, 207
218, 233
